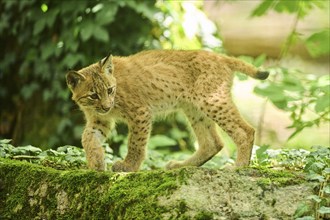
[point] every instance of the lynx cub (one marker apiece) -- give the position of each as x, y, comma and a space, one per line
136, 88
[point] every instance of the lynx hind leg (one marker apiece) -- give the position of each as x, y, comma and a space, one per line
208, 140
226, 115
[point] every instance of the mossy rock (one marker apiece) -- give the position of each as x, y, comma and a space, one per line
30, 191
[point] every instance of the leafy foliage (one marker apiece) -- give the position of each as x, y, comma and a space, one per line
318, 170
71, 157
306, 98
45, 39
318, 43
66, 157
187, 27
299, 7
315, 165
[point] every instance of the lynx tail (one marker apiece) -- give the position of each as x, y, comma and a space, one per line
246, 68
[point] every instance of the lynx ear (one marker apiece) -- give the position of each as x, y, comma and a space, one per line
106, 65
73, 78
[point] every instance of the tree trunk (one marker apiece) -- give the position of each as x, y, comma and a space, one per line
30, 191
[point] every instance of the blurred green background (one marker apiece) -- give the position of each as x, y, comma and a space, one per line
42, 40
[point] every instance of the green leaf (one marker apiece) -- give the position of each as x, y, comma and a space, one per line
78, 130
178, 134
71, 60
72, 45
70, 8
322, 103
161, 141
324, 210
143, 7
52, 152
287, 6
107, 14
28, 90
26, 150
63, 148
39, 26
5, 141
241, 76
302, 210
315, 198
50, 17
292, 84
260, 60
87, 29
97, 7
101, 34
247, 59
47, 50
70, 39
47, 95
315, 176
314, 166
261, 150
262, 8
318, 43
306, 218
327, 189
279, 101
272, 91
262, 156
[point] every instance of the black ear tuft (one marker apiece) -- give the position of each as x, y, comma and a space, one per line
104, 60
73, 78
106, 64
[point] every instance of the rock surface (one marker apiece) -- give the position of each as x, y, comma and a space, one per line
34, 192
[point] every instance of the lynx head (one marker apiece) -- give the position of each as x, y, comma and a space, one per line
94, 87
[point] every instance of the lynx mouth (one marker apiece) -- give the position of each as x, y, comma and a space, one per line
103, 111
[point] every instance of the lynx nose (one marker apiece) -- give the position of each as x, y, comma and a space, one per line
105, 108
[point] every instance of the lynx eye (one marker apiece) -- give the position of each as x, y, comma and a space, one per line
94, 96
110, 91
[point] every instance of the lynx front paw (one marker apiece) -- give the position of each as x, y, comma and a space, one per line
97, 165
121, 166
173, 164
242, 163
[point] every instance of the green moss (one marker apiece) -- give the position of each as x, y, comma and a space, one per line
30, 190
17, 183
267, 177
182, 206
141, 191
204, 215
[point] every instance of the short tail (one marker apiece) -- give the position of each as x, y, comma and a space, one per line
246, 68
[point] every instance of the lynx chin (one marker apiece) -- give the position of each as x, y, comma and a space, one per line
137, 88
